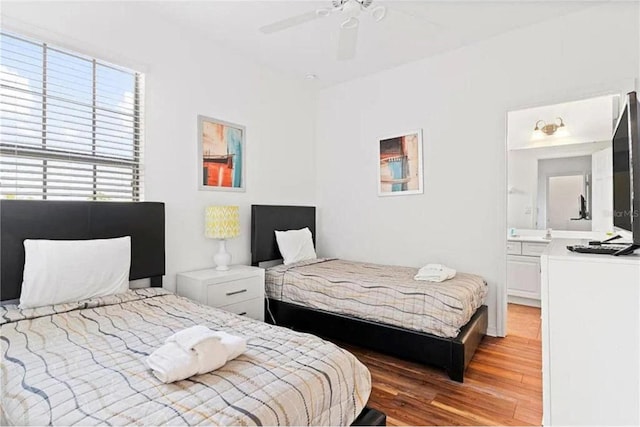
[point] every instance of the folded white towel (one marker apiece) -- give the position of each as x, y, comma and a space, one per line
172, 363
234, 345
211, 354
193, 351
435, 273
190, 337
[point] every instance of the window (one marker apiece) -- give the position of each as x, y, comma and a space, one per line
70, 126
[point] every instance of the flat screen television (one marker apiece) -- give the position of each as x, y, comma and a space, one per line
626, 172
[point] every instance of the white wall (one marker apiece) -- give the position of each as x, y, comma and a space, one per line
460, 99
186, 76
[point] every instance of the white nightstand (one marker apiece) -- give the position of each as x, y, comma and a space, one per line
239, 290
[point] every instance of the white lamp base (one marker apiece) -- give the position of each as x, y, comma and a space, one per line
222, 258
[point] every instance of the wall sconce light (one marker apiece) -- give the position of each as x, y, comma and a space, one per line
548, 129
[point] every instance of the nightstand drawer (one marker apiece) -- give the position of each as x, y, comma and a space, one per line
239, 289
235, 291
253, 308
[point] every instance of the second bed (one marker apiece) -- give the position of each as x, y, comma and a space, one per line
371, 305
382, 293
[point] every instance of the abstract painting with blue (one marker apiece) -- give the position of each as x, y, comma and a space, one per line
221, 147
400, 166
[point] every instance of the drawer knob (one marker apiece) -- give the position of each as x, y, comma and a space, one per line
236, 292
243, 313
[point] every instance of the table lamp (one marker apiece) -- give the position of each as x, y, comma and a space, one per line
222, 222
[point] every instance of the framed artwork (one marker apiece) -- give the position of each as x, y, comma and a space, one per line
221, 152
400, 164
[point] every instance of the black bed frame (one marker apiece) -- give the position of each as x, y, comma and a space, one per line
451, 354
68, 220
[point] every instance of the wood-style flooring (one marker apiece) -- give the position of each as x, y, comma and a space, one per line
502, 386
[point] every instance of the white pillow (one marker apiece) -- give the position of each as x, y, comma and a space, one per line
57, 271
295, 245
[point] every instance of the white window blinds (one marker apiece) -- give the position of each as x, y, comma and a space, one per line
70, 126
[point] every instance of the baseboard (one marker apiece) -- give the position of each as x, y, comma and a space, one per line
492, 331
523, 301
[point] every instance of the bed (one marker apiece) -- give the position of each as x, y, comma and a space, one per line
83, 362
378, 307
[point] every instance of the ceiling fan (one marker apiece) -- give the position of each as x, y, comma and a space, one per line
350, 12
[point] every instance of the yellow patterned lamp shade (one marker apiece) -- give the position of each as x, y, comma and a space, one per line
222, 222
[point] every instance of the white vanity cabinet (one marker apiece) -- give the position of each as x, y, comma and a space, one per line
523, 271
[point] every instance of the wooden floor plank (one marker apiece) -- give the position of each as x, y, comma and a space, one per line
503, 384
530, 414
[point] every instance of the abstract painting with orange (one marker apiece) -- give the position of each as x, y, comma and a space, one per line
222, 150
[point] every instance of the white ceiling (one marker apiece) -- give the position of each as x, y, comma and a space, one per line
411, 30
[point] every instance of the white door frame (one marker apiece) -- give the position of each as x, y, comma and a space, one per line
620, 87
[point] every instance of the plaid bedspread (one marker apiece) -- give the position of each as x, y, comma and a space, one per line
382, 293
84, 363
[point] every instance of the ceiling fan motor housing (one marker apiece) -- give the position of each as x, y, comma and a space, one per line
339, 3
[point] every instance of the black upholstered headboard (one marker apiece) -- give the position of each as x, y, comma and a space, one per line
37, 219
266, 219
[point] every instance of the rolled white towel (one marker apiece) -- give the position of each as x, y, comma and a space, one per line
234, 344
435, 273
188, 338
171, 363
188, 352
435, 269
212, 354
193, 351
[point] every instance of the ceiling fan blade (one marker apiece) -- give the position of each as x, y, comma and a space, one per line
347, 43
291, 22
418, 19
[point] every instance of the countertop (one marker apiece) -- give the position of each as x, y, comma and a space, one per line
530, 239
537, 236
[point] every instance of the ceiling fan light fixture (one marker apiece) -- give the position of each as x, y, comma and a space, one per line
352, 8
350, 23
378, 13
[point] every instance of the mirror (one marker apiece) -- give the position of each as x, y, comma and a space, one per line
560, 166
565, 196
